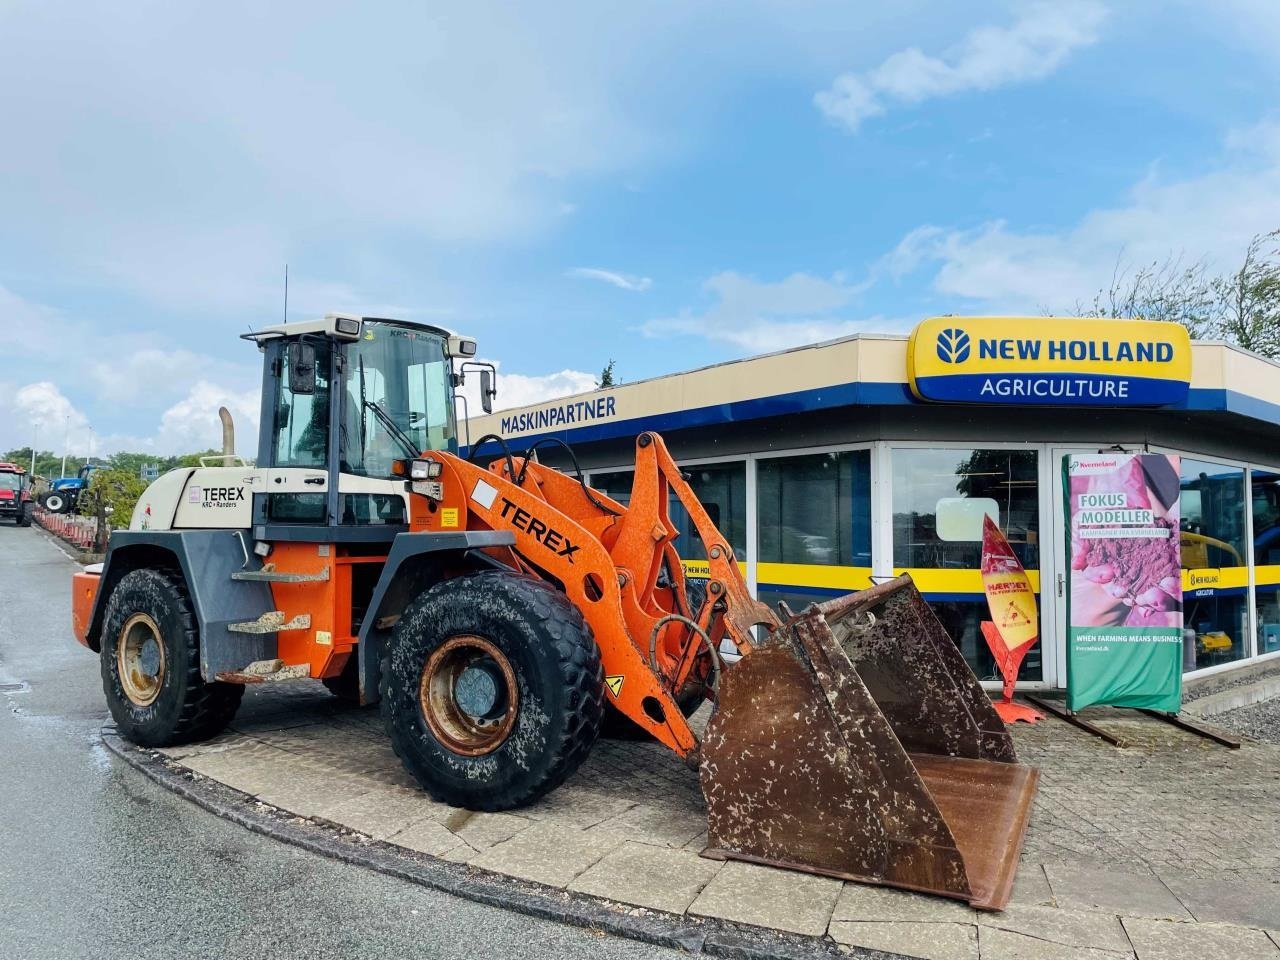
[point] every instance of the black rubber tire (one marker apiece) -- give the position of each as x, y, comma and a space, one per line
346, 685
558, 675
24, 516
61, 503
618, 726
187, 708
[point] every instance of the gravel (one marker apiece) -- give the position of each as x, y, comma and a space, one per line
1226, 681
1261, 721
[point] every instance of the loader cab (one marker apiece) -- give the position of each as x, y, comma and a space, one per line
343, 398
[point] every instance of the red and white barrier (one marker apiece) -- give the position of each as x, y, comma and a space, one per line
78, 531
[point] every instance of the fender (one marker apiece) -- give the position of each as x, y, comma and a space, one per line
416, 561
206, 559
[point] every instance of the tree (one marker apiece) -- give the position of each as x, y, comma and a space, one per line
1249, 299
192, 460
116, 490
1242, 308
1171, 291
48, 463
606, 376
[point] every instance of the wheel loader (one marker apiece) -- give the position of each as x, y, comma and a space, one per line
500, 611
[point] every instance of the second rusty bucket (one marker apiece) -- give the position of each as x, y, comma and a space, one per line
857, 743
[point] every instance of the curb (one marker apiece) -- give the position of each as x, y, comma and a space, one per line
695, 936
1233, 698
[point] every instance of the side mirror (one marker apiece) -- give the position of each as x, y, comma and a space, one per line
487, 390
301, 359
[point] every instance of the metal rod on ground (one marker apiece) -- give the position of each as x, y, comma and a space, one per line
1074, 719
1184, 724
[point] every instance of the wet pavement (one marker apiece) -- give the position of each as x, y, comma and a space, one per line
96, 861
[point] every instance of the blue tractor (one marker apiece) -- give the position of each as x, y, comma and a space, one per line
63, 493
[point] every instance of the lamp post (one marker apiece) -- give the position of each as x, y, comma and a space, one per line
66, 442
35, 441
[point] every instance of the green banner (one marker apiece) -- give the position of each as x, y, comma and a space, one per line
1124, 605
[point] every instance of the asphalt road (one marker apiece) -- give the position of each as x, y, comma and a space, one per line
96, 861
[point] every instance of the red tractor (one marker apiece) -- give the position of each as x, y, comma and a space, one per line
15, 494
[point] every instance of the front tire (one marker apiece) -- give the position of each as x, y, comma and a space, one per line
492, 690
151, 665
55, 503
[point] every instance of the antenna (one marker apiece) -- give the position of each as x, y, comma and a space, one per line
286, 293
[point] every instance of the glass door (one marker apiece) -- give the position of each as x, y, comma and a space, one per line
1056, 567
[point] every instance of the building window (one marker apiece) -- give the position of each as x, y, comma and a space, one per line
939, 500
1266, 556
721, 488
1215, 560
932, 529
815, 509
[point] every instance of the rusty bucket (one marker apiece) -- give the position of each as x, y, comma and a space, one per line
857, 743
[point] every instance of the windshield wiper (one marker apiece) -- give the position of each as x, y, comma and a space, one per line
396, 433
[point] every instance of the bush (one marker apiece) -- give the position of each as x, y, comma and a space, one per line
118, 490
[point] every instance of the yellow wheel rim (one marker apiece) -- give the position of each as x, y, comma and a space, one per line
140, 659
469, 696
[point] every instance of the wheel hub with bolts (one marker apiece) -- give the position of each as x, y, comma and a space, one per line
469, 696
140, 658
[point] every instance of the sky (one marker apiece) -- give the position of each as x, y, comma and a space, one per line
667, 184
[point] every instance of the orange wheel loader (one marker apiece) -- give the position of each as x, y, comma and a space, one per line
498, 610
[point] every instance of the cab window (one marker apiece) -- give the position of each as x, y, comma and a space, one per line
301, 427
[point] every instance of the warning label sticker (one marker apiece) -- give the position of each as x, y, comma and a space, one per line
484, 494
449, 517
614, 684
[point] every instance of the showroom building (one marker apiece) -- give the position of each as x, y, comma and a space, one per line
829, 465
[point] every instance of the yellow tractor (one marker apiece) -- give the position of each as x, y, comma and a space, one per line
500, 611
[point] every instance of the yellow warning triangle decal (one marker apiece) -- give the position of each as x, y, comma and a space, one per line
614, 684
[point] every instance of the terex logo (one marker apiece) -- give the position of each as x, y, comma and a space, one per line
549, 537
216, 497
953, 345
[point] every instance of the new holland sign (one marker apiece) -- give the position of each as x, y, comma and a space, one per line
1049, 360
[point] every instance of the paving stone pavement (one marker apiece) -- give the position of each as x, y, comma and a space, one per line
1168, 848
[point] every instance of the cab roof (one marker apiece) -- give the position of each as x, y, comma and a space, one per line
346, 326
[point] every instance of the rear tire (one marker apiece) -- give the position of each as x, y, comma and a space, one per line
151, 665
492, 690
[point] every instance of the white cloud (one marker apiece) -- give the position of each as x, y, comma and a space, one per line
1211, 215
1034, 46
519, 390
41, 409
129, 375
623, 281
205, 172
192, 423
758, 317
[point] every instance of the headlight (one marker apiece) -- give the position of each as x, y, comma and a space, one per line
424, 469
347, 326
